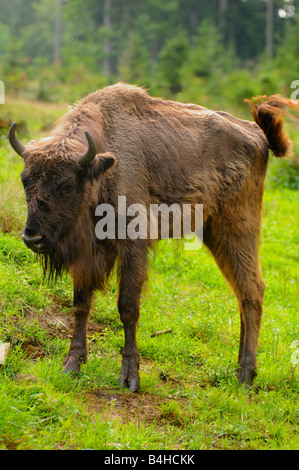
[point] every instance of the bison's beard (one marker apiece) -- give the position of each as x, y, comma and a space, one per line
54, 263
89, 263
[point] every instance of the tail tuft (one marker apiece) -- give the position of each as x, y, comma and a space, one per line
267, 113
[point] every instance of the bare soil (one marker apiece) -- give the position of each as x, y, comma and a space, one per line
112, 404
126, 406
55, 323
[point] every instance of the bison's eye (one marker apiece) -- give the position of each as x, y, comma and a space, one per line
43, 206
65, 188
68, 188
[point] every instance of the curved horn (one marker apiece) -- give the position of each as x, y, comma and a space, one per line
14, 141
89, 155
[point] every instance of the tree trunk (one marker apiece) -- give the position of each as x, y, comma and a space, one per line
222, 15
58, 30
193, 21
107, 42
270, 29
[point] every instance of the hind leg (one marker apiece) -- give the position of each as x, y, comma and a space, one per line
237, 257
251, 307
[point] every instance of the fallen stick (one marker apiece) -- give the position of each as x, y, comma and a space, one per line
160, 332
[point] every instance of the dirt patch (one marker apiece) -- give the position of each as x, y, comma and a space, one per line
33, 350
56, 324
126, 406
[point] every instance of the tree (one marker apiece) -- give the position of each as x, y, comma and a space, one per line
38, 36
58, 32
222, 15
107, 41
171, 59
135, 64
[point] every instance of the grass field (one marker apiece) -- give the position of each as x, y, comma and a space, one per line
189, 397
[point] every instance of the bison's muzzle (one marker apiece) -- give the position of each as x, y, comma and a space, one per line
35, 241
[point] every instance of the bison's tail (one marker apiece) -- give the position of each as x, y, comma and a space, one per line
267, 113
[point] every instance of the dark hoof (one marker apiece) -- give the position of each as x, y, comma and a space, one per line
246, 376
71, 364
129, 375
133, 384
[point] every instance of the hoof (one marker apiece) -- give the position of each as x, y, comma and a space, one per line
129, 374
71, 364
246, 376
133, 384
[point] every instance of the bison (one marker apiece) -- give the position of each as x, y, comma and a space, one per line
120, 141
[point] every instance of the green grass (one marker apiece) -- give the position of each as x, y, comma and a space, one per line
189, 397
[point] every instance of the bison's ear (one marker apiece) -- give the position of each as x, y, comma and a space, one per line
102, 163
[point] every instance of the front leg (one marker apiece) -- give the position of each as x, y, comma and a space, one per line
78, 349
133, 274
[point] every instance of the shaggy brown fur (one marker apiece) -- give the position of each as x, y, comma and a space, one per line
165, 152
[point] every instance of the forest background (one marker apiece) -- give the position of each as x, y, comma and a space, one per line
214, 52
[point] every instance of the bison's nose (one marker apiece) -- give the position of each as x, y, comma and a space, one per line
34, 241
